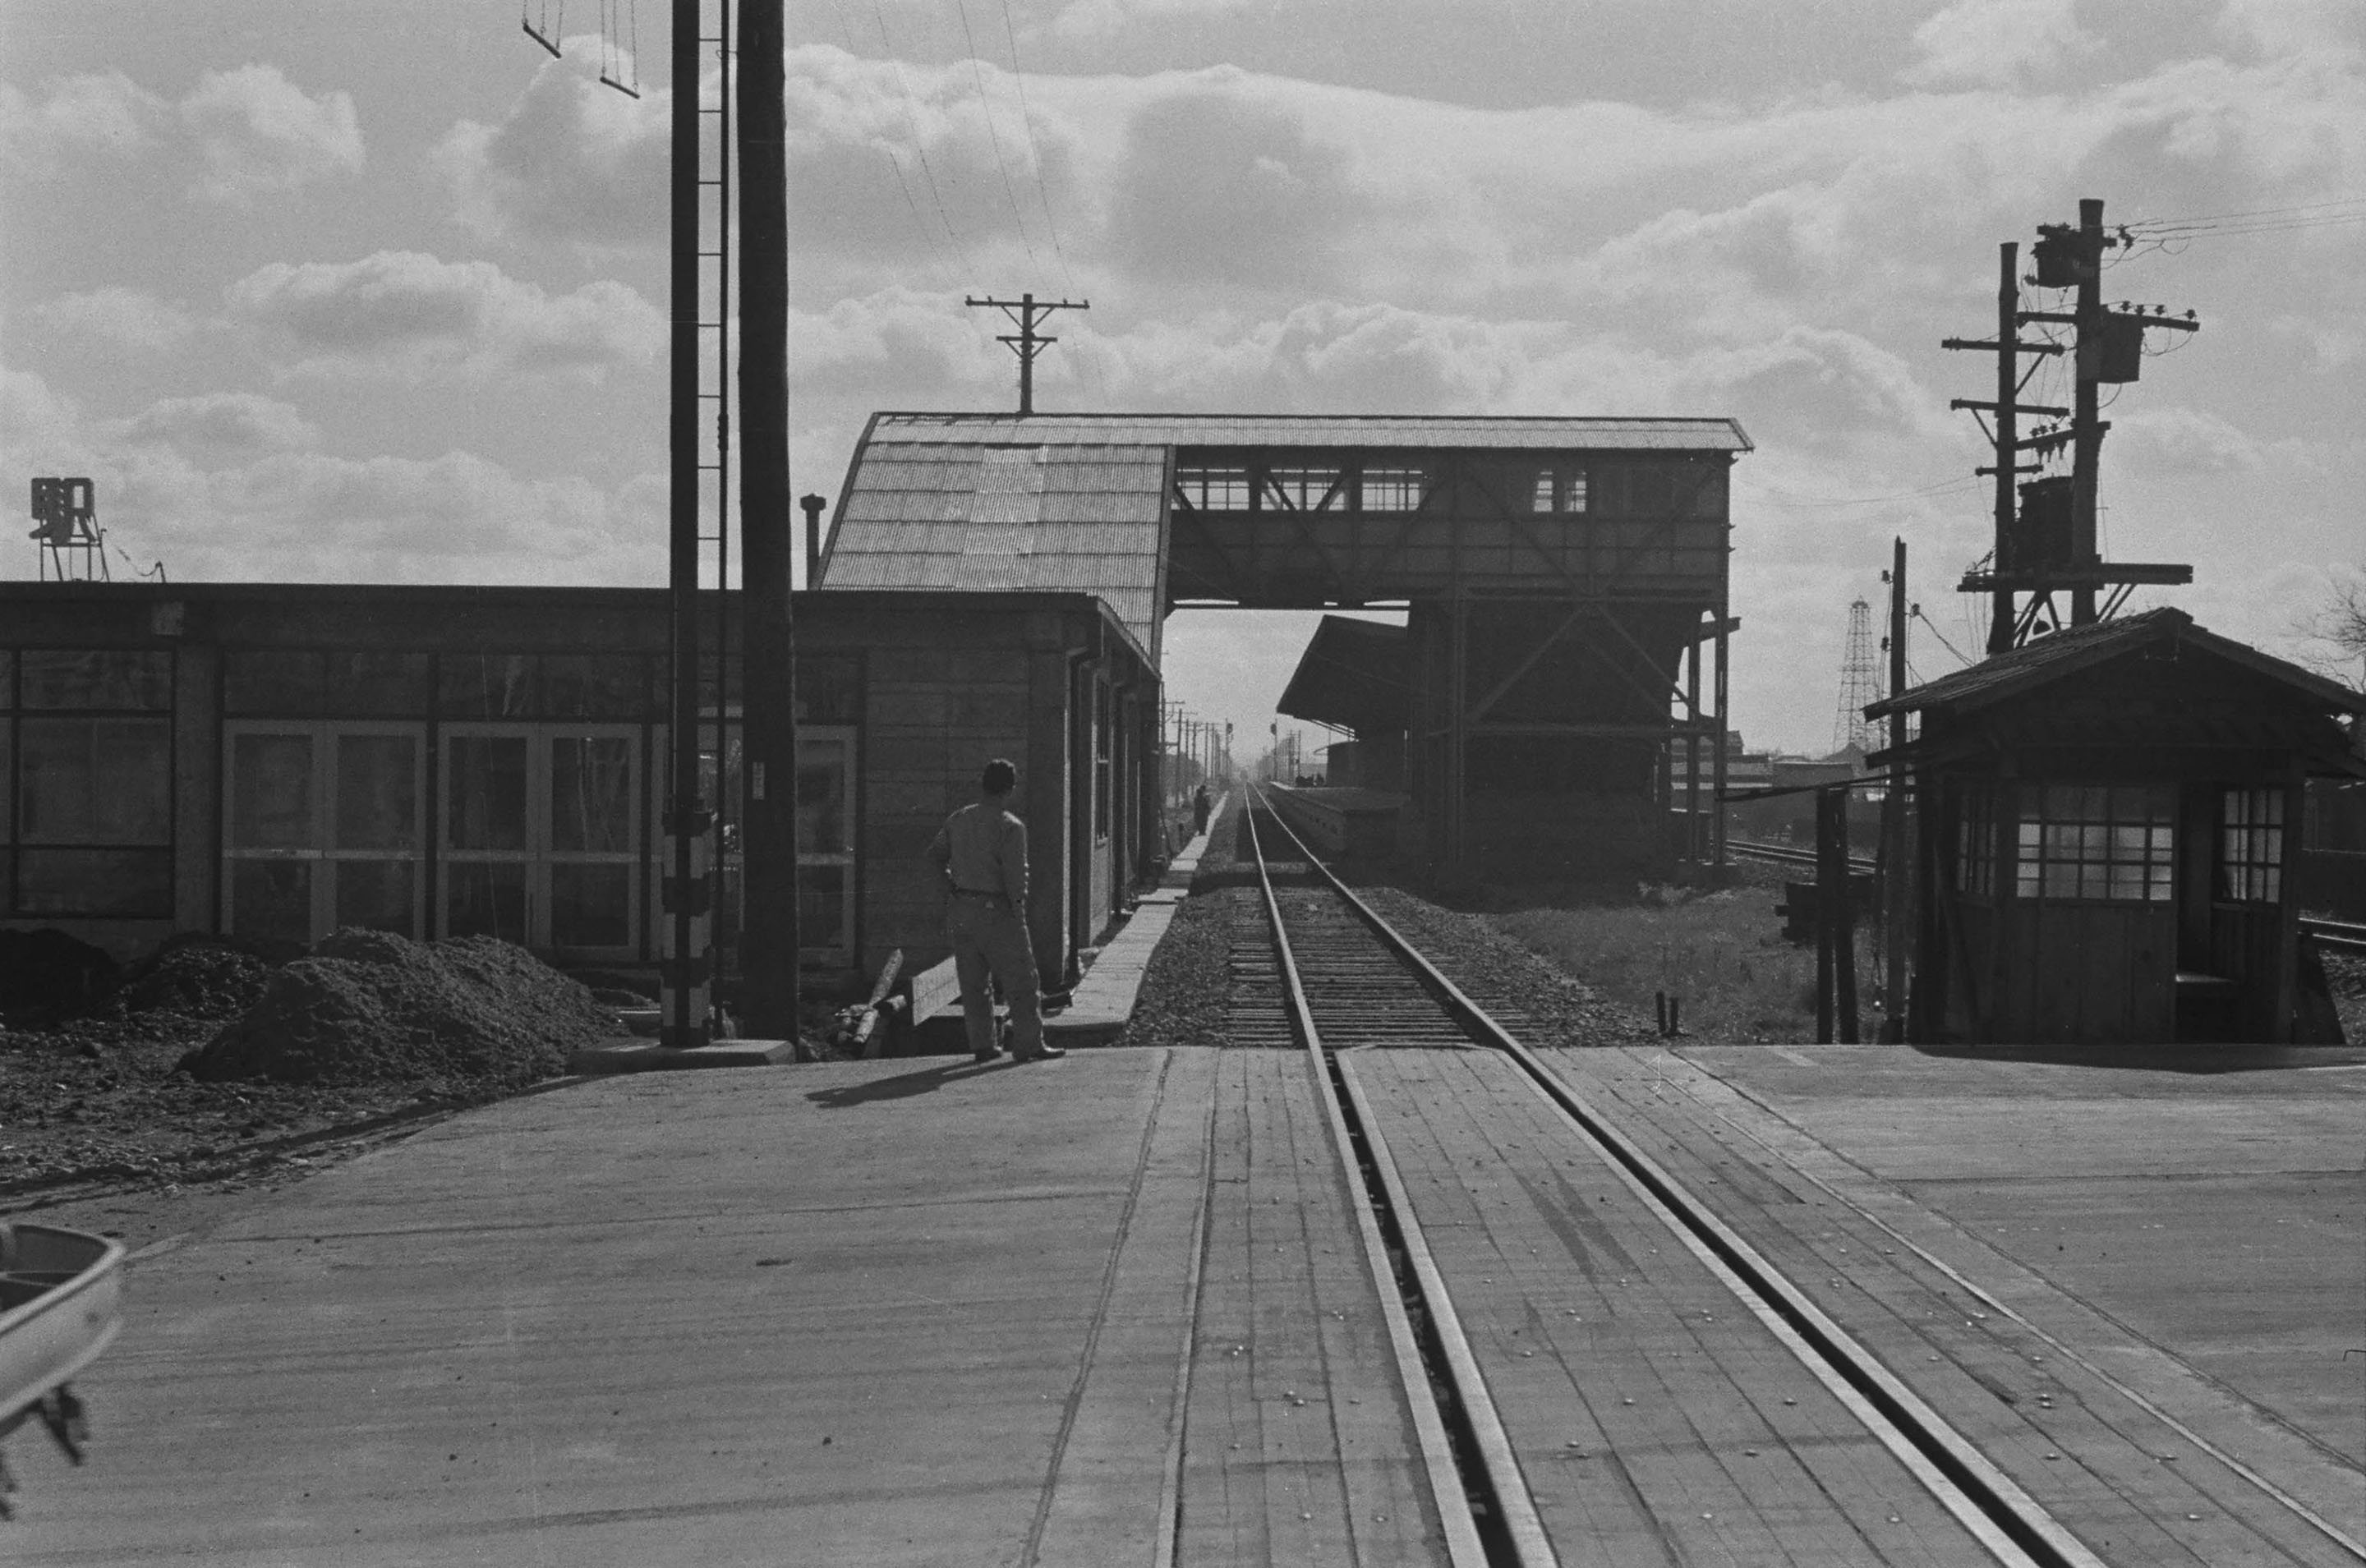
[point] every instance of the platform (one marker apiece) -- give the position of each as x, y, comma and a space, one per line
1109, 1310
874, 1313
1342, 821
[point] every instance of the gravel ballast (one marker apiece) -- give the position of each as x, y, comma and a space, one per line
1183, 997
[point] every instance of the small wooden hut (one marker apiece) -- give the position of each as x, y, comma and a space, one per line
2106, 817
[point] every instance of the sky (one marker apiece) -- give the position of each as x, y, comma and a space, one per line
318, 291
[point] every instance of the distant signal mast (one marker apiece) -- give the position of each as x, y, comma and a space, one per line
1860, 683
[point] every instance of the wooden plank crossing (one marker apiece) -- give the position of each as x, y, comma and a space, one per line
1655, 1419
2092, 1456
1298, 1447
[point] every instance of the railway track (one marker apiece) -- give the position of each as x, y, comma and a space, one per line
2341, 936
1619, 1373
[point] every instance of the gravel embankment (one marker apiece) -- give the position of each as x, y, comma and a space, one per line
1537, 1002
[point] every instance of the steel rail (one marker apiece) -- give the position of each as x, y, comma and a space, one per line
1521, 1541
1994, 1508
2341, 936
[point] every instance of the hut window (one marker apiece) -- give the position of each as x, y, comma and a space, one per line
2251, 846
2112, 841
1206, 488
1305, 489
1394, 489
1558, 490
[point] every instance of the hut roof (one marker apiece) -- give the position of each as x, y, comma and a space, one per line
2066, 652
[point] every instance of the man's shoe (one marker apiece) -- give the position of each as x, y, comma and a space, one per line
1047, 1054
992, 1053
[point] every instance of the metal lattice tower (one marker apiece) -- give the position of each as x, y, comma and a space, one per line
1860, 683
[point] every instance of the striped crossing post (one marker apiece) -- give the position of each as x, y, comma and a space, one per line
686, 970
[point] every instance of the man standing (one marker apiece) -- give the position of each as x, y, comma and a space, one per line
982, 852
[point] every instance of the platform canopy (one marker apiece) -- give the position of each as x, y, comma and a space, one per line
1353, 676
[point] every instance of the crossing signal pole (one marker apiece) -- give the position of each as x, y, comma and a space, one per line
2046, 534
1026, 342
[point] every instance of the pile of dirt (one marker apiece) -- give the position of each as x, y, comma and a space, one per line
197, 978
372, 1006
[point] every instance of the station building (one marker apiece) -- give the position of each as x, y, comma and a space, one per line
272, 762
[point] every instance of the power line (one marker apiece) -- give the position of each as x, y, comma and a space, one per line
978, 76
1087, 362
1917, 613
1034, 153
920, 147
2305, 207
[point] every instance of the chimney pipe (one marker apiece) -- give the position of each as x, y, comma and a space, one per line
813, 505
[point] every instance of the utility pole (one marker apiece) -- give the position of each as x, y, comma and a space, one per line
687, 973
2005, 436
1897, 856
1026, 342
2087, 425
769, 941
2048, 541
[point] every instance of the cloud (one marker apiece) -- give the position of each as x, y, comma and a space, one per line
1220, 185
105, 111
128, 317
406, 314
1093, 19
1997, 43
2272, 28
260, 134
230, 487
311, 516
572, 161
223, 425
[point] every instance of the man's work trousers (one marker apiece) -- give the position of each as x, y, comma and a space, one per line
988, 935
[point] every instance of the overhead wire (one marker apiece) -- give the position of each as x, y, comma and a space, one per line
1917, 613
993, 136
938, 255
1043, 189
1034, 151
2171, 235
912, 123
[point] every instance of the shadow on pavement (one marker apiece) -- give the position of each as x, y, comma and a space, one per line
902, 1086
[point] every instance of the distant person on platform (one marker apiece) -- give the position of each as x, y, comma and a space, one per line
982, 852
1201, 806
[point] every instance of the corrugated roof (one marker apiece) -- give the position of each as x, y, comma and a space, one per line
1352, 674
1386, 431
2051, 658
975, 517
